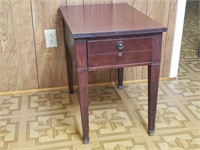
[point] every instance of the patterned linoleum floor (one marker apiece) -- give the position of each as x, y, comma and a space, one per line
118, 118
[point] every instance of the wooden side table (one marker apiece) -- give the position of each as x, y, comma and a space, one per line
111, 36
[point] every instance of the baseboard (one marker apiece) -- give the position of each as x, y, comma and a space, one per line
75, 87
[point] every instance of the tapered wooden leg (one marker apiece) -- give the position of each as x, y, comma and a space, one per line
69, 69
153, 81
83, 97
198, 50
120, 77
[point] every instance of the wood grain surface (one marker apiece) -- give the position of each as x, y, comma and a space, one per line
51, 61
108, 20
140, 5
169, 39
159, 11
75, 2
89, 2
119, 1
17, 54
8, 49
25, 62
25, 43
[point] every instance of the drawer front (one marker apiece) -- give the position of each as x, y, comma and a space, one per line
113, 45
113, 59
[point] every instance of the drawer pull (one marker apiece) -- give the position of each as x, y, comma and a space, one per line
120, 45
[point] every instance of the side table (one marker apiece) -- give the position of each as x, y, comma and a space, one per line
106, 36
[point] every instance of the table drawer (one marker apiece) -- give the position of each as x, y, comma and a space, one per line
112, 45
124, 58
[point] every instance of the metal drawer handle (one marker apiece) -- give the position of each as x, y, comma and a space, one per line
120, 45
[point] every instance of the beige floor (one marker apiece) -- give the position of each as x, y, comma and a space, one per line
118, 118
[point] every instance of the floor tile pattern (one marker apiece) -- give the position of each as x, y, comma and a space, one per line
118, 118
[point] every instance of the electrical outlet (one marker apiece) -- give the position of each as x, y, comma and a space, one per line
50, 38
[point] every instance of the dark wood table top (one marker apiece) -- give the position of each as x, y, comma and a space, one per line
102, 20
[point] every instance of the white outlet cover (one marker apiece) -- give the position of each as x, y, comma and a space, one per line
50, 38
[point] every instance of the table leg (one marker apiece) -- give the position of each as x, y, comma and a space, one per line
69, 69
120, 77
153, 81
198, 50
83, 97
